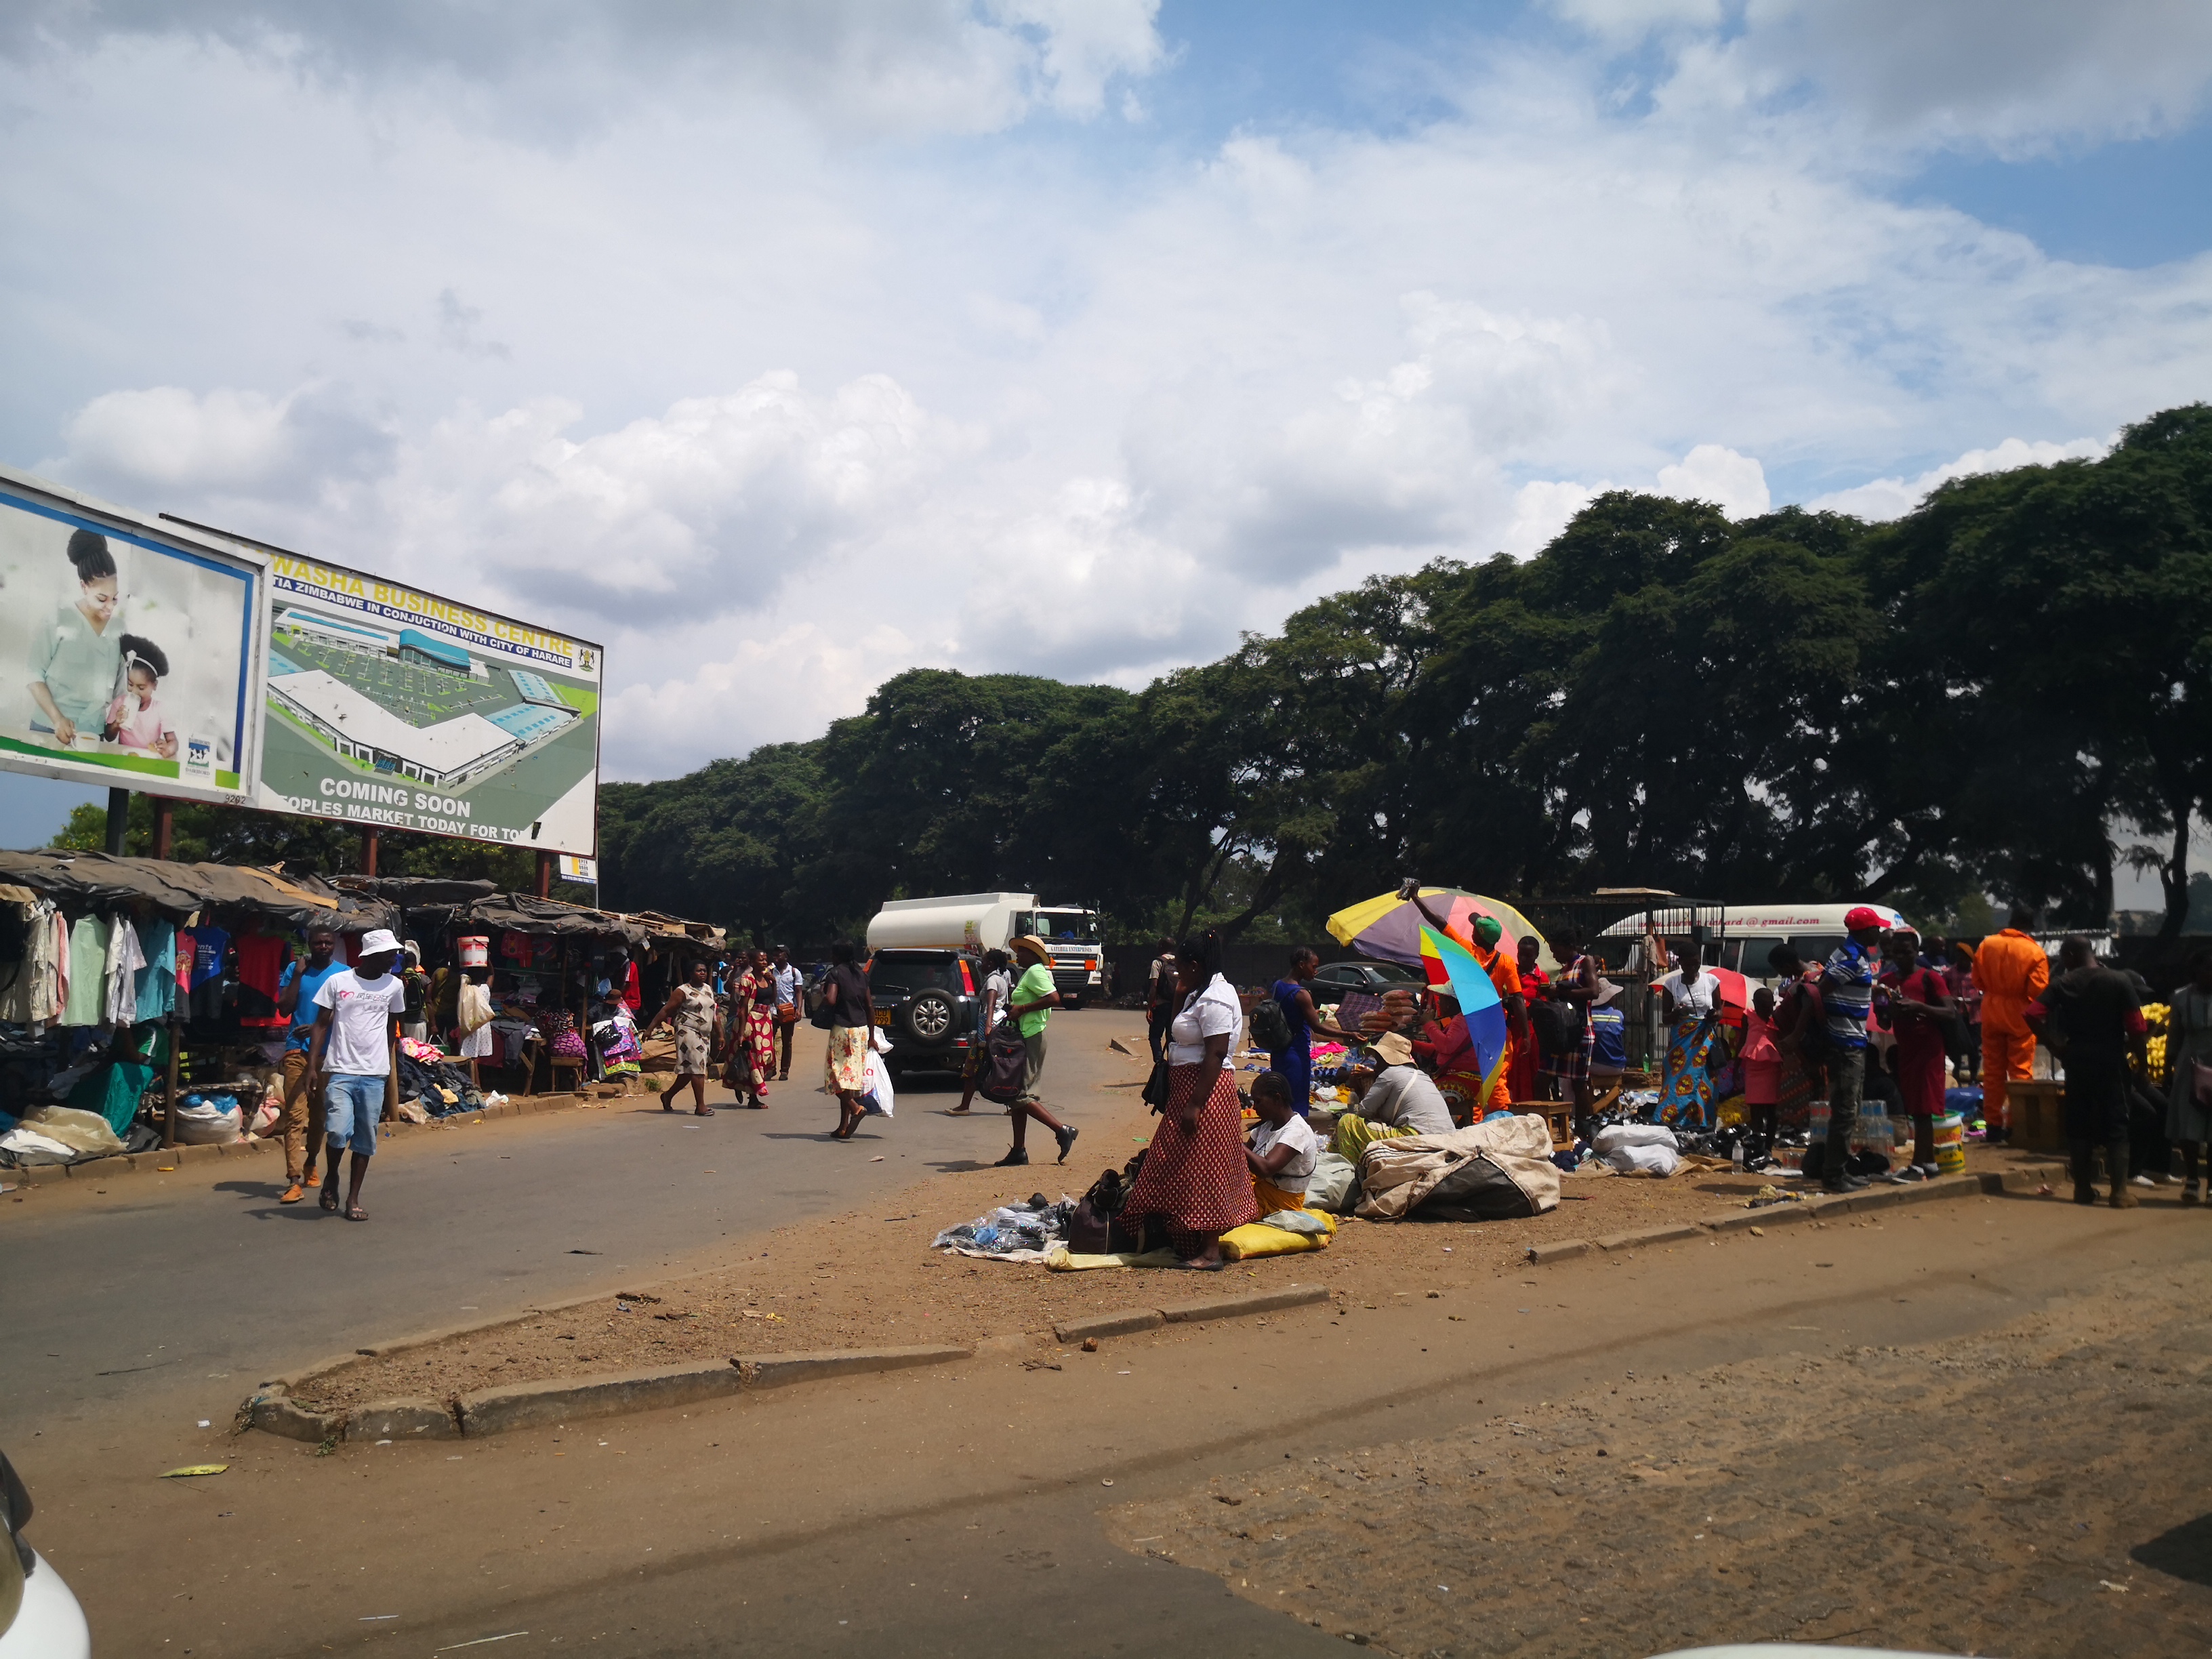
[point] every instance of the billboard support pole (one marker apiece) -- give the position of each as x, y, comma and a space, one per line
544, 875
165, 825
119, 820
169, 1111
368, 846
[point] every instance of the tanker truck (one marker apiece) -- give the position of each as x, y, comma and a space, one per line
991, 921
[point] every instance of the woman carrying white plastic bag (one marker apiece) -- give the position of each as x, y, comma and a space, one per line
879, 1100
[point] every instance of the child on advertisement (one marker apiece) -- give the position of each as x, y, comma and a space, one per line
136, 719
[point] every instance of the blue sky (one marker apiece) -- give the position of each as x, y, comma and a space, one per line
786, 347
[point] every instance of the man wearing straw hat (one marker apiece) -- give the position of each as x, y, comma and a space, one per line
1034, 997
356, 1030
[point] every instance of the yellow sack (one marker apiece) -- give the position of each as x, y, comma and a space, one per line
1257, 1238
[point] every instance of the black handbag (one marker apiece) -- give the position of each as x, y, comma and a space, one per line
1156, 1086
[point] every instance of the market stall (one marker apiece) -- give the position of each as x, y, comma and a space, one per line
536, 991
139, 997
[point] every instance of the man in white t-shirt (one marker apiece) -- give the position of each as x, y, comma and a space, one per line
357, 1025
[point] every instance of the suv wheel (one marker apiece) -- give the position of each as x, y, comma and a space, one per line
928, 1017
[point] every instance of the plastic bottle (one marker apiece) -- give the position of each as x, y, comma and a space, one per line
1735, 1157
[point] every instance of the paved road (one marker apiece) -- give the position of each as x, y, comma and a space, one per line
1023, 1501
168, 1282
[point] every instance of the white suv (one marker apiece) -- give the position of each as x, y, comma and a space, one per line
39, 1617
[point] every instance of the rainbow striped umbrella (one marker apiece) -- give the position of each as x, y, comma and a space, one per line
1479, 1002
1388, 928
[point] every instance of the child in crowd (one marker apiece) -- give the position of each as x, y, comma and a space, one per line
137, 720
1762, 1067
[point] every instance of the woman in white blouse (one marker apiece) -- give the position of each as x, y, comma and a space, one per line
1691, 996
1195, 1176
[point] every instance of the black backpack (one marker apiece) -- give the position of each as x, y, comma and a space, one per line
1558, 1025
1271, 1026
1005, 1065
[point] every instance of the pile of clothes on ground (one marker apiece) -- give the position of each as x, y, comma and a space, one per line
435, 1085
1012, 1232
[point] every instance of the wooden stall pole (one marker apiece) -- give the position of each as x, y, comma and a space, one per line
165, 825
368, 845
118, 823
169, 1112
544, 875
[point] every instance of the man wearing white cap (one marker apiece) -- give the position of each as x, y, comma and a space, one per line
356, 1027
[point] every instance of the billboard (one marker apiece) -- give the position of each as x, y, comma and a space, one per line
129, 652
389, 707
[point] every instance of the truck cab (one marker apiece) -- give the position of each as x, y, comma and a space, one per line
1078, 955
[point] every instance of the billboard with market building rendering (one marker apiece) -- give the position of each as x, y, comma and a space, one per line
389, 707
130, 650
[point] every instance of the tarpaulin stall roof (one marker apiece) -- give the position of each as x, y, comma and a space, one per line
421, 892
521, 913
95, 880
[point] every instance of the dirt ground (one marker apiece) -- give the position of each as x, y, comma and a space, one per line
869, 1278
2011, 1492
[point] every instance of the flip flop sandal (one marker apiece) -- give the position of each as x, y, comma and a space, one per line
357, 1214
330, 1199
704, 1111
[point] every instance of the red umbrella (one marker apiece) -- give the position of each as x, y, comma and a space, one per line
1735, 992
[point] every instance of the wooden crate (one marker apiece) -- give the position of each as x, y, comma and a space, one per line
2036, 1109
1558, 1117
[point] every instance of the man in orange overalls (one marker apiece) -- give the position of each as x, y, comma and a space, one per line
2011, 970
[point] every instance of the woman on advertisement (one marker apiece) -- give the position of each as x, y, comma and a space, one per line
78, 655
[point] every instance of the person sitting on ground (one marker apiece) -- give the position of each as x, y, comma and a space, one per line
1391, 1096
1284, 1147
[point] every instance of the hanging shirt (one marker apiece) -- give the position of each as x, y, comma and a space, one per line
124, 959
156, 982
210, 945
261, 959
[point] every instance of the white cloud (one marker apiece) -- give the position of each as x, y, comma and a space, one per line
780, 413
1892, 498
1713, 473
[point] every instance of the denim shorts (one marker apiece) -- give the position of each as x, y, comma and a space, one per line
351, 1105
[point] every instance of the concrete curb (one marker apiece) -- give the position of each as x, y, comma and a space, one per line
1130, 1322
2022, 1178
182, 1157
533, 1405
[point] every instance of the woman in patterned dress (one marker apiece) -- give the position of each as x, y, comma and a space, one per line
752, 1045
691, 1006
1195, 1176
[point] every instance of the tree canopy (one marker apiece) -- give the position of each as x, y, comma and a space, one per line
1968, 701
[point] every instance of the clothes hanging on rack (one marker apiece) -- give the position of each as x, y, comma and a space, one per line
87, 1000
156, 983
261, 959
33, 995
125, 957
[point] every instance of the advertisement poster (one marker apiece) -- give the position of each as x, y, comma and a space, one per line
392, 708
128, 657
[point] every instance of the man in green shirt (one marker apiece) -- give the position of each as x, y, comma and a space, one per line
1030, 1006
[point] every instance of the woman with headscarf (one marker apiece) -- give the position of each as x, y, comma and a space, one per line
1691, 1001
752, 1020
77, 656
1195, 1176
